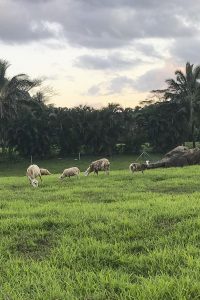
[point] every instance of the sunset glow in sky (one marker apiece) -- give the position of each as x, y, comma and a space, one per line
99, 51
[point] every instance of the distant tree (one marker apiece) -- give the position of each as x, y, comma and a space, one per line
185, 90
111, 126
166, 125
134, 129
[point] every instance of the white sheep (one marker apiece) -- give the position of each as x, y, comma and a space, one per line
32, 173
73, 171
44, 172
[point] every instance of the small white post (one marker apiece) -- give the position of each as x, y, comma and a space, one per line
79, 156
31, 160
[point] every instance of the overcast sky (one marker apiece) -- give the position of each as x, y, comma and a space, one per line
99, 51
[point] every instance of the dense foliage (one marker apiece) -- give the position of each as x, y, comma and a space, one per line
29, 126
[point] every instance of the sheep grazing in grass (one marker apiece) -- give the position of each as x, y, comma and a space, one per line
98, 165
44, 172
74, 171
135, 167
32, 173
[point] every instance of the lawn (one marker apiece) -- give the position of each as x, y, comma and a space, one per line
122, 236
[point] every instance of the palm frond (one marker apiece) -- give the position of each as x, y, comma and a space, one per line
3, 68
196, 72
173, 86
180, 76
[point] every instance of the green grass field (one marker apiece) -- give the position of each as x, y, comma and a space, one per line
120, 236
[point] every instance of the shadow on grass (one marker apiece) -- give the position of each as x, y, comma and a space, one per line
96, 197
33, 245
168, 222
37, 241
178, 189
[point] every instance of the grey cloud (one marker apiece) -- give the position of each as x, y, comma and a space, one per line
109, 28
17, 25
98, 24
118, 25
141, 4
153, 79
148, 50
34, 2
118, 84
186, 50
94, 90
109, 62
114, 86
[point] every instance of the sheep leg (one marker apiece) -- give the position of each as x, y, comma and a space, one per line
107, 171
40, 178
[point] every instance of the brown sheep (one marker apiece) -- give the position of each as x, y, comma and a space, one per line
134, 167
44, 172
98, 165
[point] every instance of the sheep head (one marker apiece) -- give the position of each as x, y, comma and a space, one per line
34, 183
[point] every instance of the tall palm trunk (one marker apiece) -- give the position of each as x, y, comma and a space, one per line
191, 121
193, 137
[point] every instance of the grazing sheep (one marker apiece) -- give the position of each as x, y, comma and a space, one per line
98, 165
134, 167
32, 173
44, 172
74, 171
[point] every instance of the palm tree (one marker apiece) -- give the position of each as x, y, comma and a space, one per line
14, 92
185, 89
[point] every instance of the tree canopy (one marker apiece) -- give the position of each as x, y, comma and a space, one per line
30, 126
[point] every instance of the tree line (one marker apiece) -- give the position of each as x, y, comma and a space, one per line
29, 126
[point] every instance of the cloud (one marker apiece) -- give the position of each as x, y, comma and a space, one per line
118, 84
116, 26
150, 80
108, 62
187, 49
114, 86
109, 35
94, 90
17, 24
97, 24
35, 2
155, 78
148, 50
